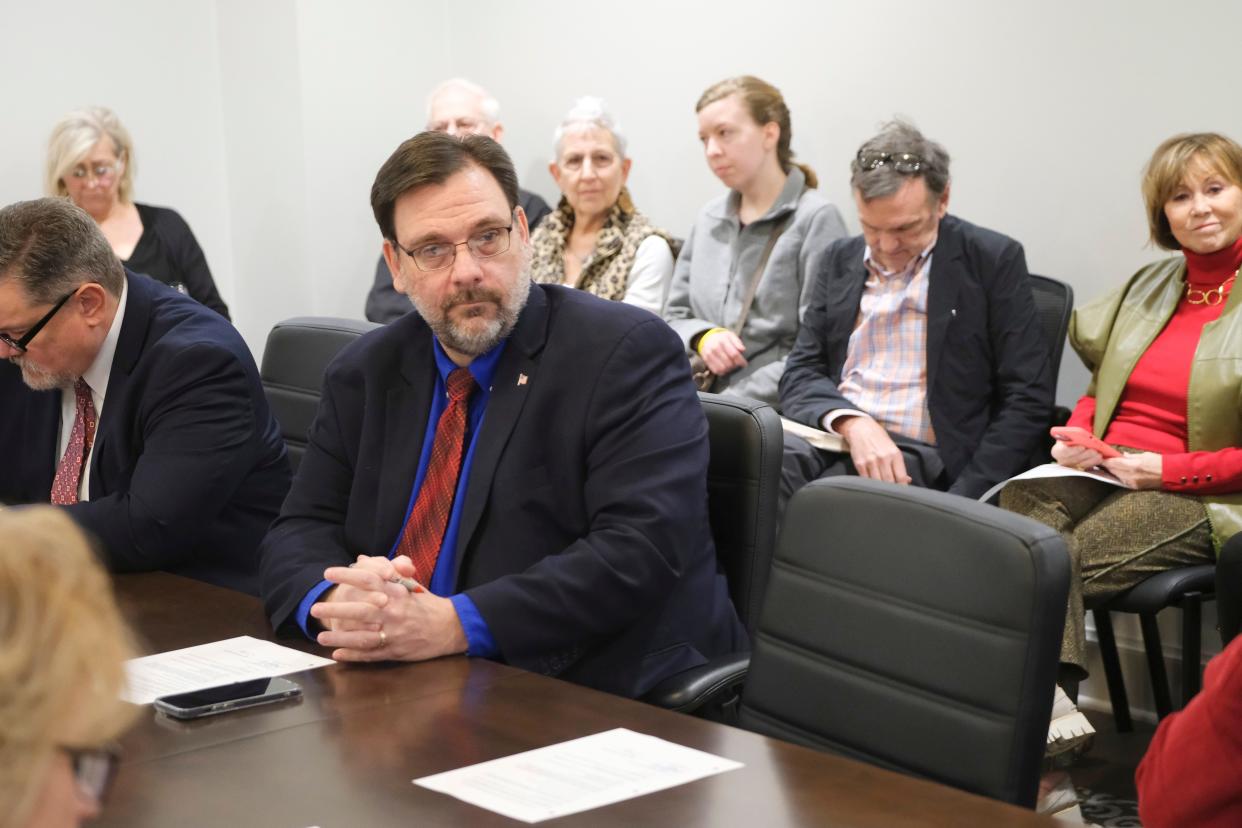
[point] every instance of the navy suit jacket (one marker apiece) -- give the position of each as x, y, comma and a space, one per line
584, 539
989, 380
188, 468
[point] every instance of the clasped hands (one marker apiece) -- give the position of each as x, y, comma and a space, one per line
1135, 471
369, 615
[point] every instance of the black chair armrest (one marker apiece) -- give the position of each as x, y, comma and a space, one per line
718, 683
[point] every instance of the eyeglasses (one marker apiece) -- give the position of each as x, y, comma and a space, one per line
102, 172
439, 255
903, 162
19, 345
93, 769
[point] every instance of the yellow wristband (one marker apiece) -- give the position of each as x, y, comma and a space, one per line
703, 338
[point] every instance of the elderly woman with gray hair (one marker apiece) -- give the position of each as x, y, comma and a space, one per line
90, 159
595, 239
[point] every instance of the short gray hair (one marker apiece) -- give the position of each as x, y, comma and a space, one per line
895, 138
588, 112
487, 103
72, 138
51, 247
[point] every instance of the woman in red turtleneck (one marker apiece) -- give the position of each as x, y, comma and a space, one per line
1165, 352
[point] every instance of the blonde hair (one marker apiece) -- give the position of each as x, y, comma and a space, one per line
72, 138
1167, 169
62, 650
766, 105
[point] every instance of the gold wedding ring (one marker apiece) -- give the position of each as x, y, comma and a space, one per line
383, 639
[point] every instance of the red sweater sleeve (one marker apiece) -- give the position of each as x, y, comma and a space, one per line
1083, 415
1203, 472
1191, 771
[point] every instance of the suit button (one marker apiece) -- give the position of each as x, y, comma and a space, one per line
1194, 479
1183, 478
1209, 478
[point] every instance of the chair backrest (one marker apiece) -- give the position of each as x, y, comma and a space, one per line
914, 630
1229, 589
743, 478
294, 360
1054, 303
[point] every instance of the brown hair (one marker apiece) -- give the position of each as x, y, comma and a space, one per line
432, 158
1167, 169
62, 651
51, 246
764, 103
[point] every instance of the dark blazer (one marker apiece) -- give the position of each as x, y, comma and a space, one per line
188, 469
584, 538
989, 382
384, 303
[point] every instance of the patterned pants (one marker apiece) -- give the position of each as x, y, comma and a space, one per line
1116, 539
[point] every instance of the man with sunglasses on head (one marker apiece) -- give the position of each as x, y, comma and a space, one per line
921, 346
135, 408
515, 471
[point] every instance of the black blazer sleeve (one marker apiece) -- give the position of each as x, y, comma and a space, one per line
190, 261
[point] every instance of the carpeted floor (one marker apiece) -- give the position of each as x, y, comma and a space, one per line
1105, 776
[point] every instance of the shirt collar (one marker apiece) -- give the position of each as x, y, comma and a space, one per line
482, 367
97, 375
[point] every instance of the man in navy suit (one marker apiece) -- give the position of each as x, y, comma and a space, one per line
515, 471
921, 345
132, 406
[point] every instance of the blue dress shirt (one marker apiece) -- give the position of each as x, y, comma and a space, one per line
478, 637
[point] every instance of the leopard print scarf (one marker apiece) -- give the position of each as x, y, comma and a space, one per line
606, 272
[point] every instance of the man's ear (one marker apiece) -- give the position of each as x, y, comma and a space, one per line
498, 132
92, 303
392, 258
942, 204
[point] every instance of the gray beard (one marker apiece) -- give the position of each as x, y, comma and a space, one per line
38, 379
476, 341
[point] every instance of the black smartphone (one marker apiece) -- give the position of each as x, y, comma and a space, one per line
226, 697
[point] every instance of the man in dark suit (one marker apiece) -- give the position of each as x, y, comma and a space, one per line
516, 471
921, 346
456, 107
134, 407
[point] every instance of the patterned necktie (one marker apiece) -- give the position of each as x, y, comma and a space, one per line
424, 531
69, 472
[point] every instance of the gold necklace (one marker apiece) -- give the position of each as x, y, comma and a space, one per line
1211, 296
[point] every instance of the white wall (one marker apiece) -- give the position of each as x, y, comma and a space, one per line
264, 123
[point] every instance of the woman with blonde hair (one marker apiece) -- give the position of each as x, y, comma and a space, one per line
62, 651
744, 276
90, 159
595, 239
1165, 355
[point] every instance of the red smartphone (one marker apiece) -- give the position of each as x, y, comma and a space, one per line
1082, 438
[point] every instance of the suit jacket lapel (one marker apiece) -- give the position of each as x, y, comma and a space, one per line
130, 344
407, 408
942, 294
504, 407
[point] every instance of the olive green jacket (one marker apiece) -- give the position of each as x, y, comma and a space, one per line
1110, 334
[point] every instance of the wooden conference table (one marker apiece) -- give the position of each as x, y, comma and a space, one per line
344, 756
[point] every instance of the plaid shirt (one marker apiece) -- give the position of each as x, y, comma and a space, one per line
885, 370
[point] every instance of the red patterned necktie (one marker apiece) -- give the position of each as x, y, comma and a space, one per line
69, 472
424, 531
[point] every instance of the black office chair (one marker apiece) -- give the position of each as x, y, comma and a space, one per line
1054, 304
294, 360
914, 630
1186, 588
1229, 589
743, 478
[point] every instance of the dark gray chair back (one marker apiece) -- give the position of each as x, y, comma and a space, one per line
294, 360
743, 478
1054, 302
914, 630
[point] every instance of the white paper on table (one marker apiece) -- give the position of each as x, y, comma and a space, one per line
577, 775
207, 665
1055, 470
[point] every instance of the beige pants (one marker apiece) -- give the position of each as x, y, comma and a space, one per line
1116, 539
